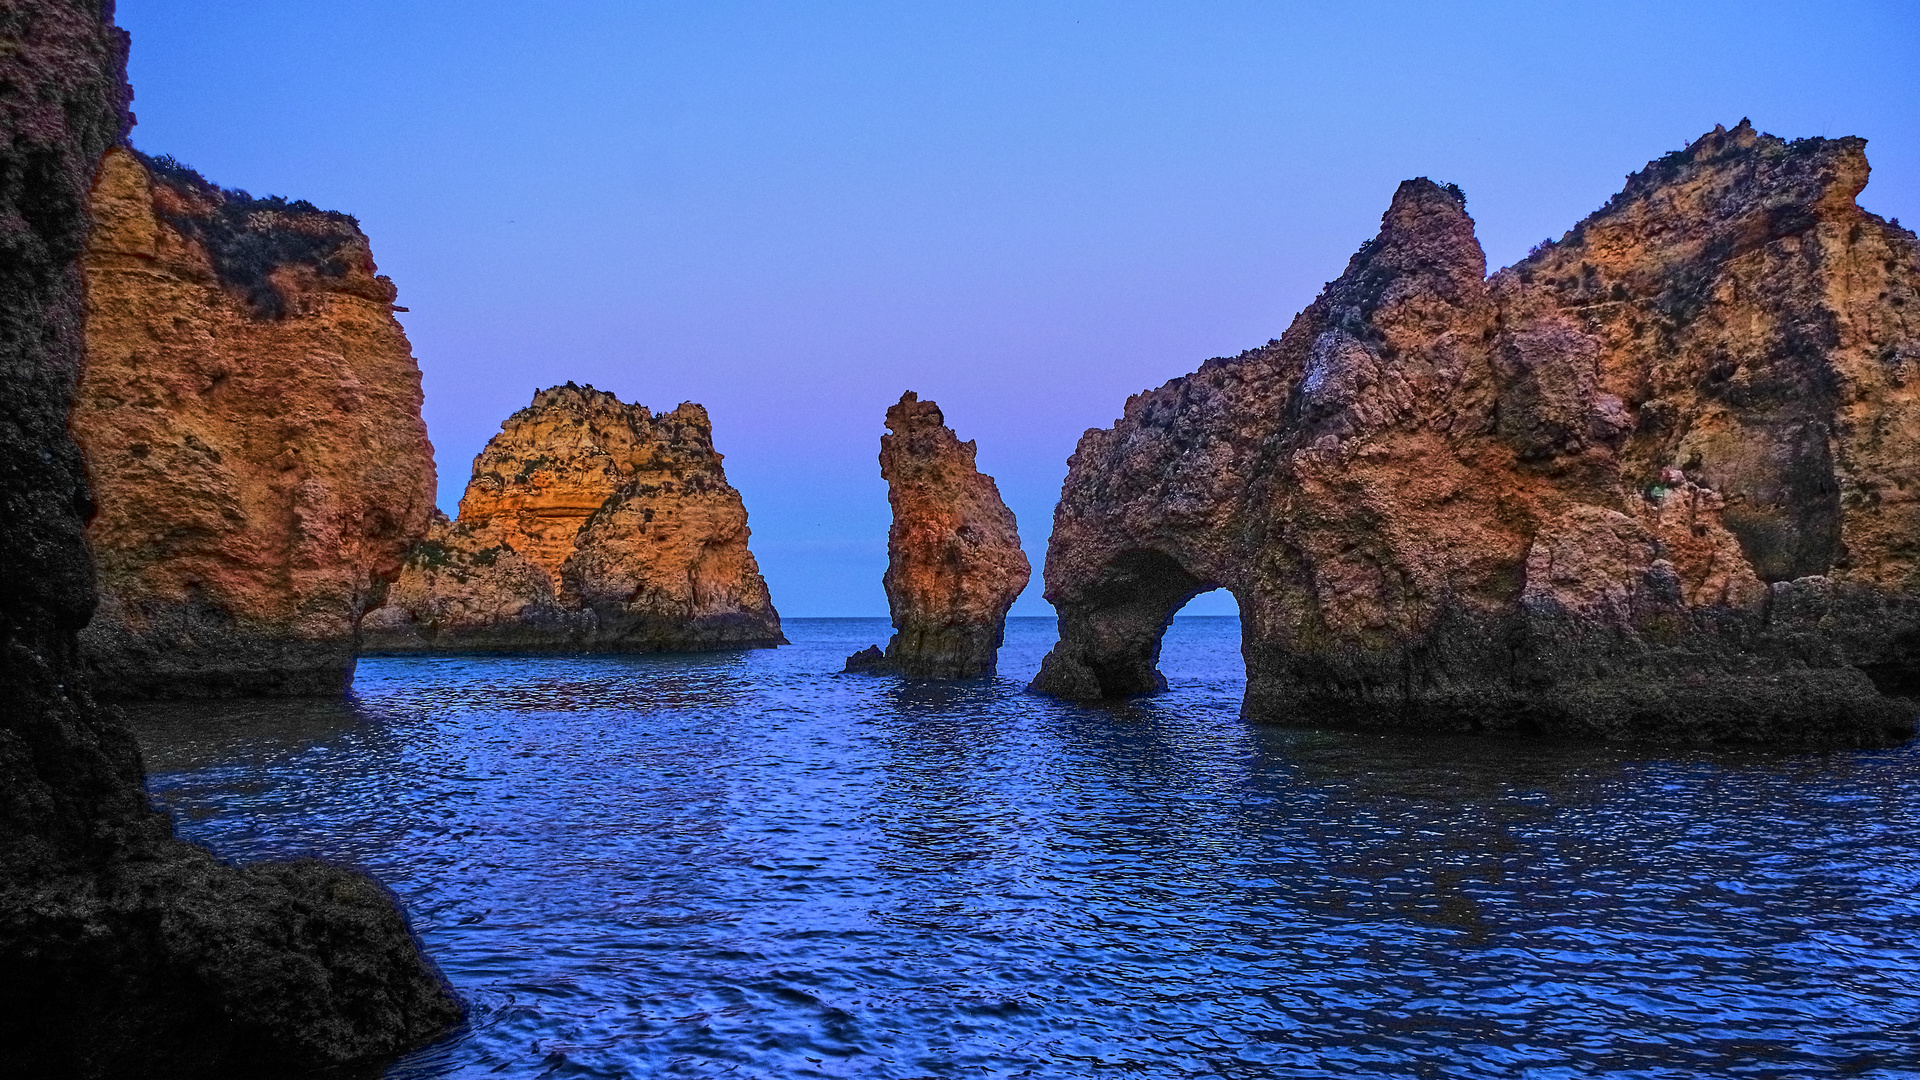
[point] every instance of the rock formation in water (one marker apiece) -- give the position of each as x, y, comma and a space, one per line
1656, 481
590, 525
250, 413
954, 564
124, 951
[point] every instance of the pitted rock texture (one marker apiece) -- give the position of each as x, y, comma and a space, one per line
250, 413
589, 525
954, 564
1656, 481
124, 951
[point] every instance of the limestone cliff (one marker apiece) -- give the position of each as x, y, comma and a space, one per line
1655, 481
954, 564
250, 413
124, 951
589, 525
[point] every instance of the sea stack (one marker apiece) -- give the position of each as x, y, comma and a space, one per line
589, 525
954, 564
1656, 481
126, 952
250, 414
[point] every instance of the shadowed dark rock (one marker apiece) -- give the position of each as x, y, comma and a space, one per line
124, 952
870, 660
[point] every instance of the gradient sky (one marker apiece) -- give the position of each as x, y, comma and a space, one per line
791, 212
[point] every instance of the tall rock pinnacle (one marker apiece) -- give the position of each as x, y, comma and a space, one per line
954, 564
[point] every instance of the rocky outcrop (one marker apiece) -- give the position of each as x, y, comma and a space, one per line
250, 413
590, 525
1656, 481
125, 952
954, 564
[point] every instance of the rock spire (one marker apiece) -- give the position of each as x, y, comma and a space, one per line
954, 564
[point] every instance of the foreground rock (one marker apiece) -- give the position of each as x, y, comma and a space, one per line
124, 951
954, 564
590, 525
1656, 481
250, 413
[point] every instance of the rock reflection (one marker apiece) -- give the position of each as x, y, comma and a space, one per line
531, 683
179, 736
946, 813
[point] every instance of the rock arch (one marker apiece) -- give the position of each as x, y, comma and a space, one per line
1575, 497
1110, 631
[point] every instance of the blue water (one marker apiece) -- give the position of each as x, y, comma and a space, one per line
747, 865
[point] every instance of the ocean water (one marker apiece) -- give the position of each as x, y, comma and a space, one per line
747, 865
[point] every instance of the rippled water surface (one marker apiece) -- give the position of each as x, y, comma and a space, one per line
744, 864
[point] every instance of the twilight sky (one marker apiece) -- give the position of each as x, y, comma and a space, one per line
790, 212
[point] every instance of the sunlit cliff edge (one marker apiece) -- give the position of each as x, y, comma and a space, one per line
250, 414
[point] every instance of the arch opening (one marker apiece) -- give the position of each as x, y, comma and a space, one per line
1205, 640
1111, 632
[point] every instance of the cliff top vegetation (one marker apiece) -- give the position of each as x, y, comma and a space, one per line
248, 238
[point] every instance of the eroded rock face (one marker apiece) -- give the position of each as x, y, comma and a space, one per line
589, 525
250, 412
954, 564
1655, 481
126, 952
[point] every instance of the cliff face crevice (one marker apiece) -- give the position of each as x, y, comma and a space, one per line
1655, 481
954, 564
252, 428
588, 525
125, 951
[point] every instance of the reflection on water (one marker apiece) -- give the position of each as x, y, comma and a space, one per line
747, 865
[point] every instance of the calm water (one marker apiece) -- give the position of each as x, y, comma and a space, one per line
746, 865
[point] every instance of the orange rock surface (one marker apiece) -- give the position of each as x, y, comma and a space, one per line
1659, 480
552, 466
591, 525
954, 564
250, 414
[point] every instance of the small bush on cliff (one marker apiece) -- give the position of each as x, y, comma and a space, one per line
531, 466
248, 238
431, 554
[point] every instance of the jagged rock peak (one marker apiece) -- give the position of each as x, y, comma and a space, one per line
1809, 170
557, 461
1652, 482
589, 524
954, 564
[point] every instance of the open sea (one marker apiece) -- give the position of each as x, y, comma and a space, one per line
748, 865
